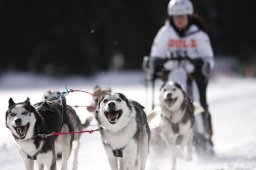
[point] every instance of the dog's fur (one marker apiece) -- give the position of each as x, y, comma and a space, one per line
55, 96
176, 112
125, 133
26, 122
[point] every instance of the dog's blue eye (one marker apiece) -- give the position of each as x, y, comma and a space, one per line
165, 90
105, 101
119, 100
25, 113
173, 89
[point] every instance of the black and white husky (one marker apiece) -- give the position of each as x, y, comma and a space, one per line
55, 96
175, 128
27, 122
125, 133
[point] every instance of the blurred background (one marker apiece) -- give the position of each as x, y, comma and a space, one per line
85, 37
47, 44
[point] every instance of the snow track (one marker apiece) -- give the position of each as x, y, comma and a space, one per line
232, 104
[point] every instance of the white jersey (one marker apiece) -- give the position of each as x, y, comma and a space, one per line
195, 44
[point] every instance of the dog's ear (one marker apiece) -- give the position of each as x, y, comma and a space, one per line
27, 102
178, 85
6, 115
11, 102
123, 97
162, 85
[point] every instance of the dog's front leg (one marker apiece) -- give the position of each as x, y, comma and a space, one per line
143, 148
131, 165
190, 146
53, 166
75, 161
65, 146
170, 141
187, 141
113, 163
128, 165
40, 167
174, 161
54, 160
175, 153
29, 164
121, 164
173, 149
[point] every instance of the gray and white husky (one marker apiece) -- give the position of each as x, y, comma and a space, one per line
176, 126
26, 122
125, 133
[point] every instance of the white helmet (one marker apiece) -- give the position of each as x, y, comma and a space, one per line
180, 7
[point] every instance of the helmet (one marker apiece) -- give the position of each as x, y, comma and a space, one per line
180, 7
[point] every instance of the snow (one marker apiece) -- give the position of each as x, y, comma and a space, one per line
231, 100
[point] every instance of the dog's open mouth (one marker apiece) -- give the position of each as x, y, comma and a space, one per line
113, 115
22, 131
170, 101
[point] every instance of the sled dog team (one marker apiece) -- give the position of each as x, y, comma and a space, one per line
125, 132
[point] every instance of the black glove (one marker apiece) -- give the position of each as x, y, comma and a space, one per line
154, 68
206, 69
201, 69
157, 66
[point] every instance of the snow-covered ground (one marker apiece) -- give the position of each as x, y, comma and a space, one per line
232, 104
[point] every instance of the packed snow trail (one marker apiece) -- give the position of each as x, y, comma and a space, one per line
232, 104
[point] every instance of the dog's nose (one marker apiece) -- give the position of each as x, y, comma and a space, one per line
111, 105
18, 121
169, 95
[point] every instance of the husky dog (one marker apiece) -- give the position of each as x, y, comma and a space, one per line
176, 112
55, 96
27, 122
125, 133
98, 91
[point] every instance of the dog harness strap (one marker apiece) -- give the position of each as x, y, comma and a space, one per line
179, 139
34, 156
118, 152
175, 127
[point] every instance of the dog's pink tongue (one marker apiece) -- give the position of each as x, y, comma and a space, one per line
112, 115
21, 130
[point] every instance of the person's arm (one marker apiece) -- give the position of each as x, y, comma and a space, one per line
201, 67
204, 49
158, 53
160, 44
